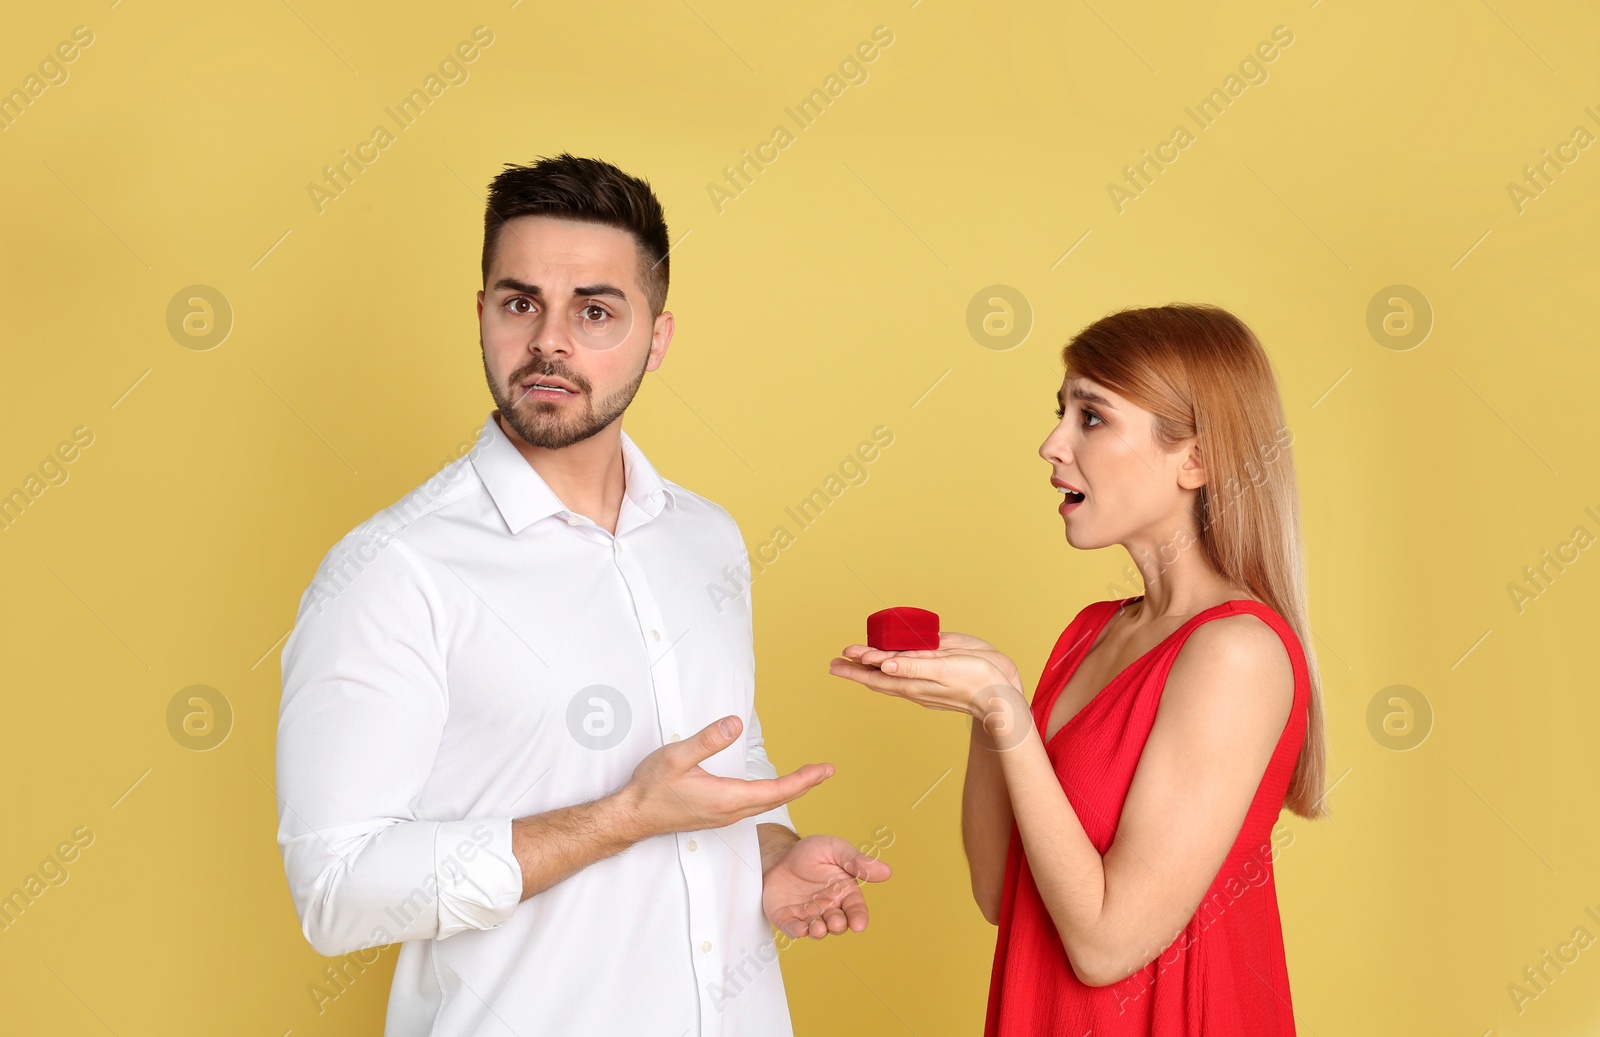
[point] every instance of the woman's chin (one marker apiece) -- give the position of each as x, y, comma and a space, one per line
1082, 541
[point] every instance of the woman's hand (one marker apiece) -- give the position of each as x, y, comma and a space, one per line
970, 645
962, 675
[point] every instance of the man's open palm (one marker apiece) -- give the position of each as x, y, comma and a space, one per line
813, 890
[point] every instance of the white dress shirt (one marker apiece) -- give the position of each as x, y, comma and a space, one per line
477, 653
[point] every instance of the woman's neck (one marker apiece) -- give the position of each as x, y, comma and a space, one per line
1182, 592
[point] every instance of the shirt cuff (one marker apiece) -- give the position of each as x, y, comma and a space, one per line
479, 877
778, 815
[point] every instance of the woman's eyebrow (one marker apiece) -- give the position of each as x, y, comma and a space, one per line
1087, 397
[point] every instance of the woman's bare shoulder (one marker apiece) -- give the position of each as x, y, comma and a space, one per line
1235, 665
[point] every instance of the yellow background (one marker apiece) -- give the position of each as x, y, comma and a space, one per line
826, 300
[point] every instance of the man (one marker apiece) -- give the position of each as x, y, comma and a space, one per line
518, 733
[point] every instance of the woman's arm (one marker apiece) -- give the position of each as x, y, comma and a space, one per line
986, 821
1225, 704
986, 817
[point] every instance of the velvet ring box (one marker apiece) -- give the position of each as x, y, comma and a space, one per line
903, 629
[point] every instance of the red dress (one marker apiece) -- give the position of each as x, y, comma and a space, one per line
1224, 976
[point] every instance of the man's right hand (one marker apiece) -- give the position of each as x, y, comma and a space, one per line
671, 792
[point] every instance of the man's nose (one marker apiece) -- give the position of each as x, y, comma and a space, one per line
551, 336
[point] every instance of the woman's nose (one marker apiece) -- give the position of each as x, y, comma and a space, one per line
1054, 449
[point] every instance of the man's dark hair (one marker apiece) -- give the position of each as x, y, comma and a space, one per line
572, 188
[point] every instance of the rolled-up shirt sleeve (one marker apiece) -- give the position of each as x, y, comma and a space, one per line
755, 751
758, 766
364, 706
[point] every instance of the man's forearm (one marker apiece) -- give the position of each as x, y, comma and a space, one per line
557, 843
775, 842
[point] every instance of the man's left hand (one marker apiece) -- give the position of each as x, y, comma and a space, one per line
813, 890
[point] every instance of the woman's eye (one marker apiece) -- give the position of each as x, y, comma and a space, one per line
1091, 414
1060, 413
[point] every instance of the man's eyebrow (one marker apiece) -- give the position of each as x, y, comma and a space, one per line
511, 284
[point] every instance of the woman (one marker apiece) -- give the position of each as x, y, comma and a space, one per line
1119, 829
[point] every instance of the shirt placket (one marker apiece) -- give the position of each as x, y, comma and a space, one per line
707, 954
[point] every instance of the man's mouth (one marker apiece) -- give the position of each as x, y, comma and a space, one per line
547, 388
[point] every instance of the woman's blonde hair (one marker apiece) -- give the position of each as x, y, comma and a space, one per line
1202, 373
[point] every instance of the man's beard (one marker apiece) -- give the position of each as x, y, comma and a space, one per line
542, 423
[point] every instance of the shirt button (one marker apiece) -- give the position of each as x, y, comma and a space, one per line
693, 845
656, 634
674, 736
706, 946
572, 520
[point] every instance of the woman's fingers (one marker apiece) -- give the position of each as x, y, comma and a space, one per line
869, 656
873, 678
914, 664
866, 655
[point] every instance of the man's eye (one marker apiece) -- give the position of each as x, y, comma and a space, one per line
512, 303
594, 311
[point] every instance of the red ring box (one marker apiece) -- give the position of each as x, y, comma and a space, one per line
903, 629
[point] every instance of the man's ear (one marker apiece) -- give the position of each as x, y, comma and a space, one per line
660, 338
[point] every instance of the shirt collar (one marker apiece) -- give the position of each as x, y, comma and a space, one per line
523, 496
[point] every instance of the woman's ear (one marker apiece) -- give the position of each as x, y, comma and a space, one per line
1192, 472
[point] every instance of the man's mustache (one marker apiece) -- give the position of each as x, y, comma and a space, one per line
544, 374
